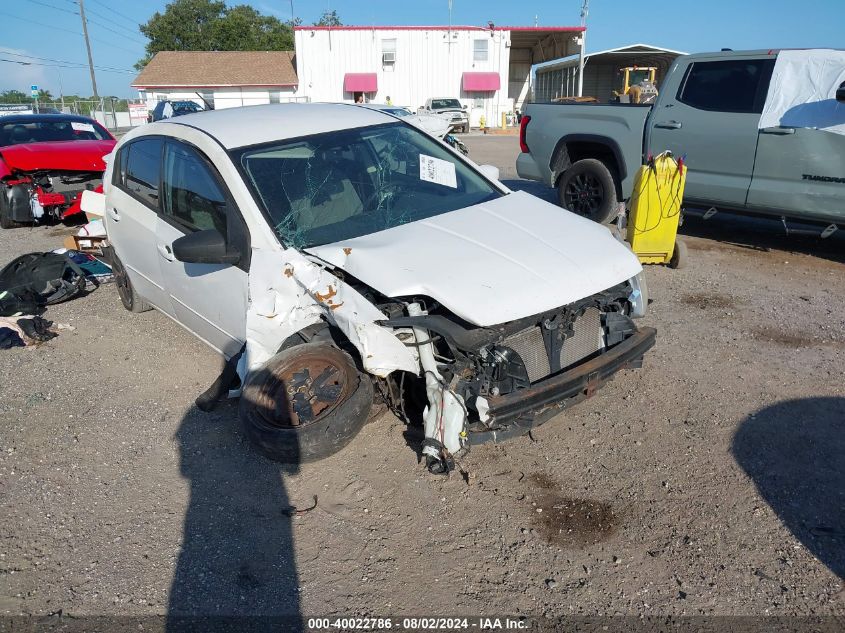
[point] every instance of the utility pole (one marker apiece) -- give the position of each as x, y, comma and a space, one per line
88, 47
585, 10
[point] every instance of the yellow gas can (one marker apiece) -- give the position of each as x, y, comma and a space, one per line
655, 209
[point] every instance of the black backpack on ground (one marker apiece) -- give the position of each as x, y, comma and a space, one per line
33, 281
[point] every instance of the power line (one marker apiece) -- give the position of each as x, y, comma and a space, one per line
58, 28
61, 61
103, 26
24, 63
40, 24
134, 31
44, 4
133, 21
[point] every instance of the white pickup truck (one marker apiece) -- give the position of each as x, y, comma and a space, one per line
450, 109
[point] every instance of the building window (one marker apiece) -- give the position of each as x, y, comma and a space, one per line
479, 50
388, 54
207, 99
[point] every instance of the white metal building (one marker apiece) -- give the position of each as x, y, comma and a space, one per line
487, 68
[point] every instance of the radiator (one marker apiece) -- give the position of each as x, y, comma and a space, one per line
587, 339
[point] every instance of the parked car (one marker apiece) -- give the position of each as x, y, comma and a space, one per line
451, 109
708, 110
169, 109
389, 109
46, 162
437, 126
328, 249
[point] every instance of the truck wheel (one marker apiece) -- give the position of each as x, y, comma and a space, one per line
305, 403
679, 255
588, 188
128, 297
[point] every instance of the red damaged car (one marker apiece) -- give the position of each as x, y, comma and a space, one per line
46, 162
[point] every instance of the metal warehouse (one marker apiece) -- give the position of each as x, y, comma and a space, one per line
601, 71
487, 68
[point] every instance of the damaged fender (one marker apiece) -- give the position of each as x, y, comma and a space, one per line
289, 292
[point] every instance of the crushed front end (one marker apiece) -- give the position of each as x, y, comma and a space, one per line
491, 383
47, 195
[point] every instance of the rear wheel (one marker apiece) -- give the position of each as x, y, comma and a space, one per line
128, 297
588, 188
305, 403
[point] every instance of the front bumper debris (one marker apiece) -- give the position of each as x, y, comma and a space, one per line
514, 413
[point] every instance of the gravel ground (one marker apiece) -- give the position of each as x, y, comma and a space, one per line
711, 481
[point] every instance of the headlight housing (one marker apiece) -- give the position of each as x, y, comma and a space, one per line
638, 296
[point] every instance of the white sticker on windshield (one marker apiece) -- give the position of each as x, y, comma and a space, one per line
437, 170
82, 127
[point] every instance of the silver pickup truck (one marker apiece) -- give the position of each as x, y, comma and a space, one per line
708, 111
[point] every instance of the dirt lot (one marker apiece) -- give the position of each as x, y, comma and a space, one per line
712, 481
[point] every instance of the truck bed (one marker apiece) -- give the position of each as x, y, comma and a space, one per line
553, 124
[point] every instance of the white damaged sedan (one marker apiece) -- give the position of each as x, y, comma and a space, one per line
330, 252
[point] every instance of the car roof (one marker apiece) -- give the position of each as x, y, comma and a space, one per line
32, 118
253, 125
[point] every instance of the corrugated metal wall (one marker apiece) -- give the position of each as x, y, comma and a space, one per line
601, 76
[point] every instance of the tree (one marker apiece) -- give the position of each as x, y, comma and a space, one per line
329, 18
14, 96
209, 25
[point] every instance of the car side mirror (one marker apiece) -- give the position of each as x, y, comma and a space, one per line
491, 171
840, 93
464, 106
204, 247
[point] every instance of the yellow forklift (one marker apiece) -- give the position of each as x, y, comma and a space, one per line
638, 85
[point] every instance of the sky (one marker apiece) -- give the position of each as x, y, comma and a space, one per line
51, 29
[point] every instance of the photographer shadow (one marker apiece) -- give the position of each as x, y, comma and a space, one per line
236, 569
794, 451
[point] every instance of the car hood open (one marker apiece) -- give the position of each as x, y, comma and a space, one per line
490, 263
57, 155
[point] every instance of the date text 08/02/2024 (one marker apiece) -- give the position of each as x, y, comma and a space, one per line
417, 624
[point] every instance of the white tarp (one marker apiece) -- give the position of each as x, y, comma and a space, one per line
802, 92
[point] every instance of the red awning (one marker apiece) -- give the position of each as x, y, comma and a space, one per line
481, 82
360, 82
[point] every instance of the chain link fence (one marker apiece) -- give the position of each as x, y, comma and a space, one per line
114, 114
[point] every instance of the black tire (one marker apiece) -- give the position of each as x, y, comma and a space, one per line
588, 188
5, 221
679, 255
128, 296
466, 129
334, 404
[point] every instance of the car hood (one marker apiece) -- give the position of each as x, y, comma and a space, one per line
494, 262
57, 155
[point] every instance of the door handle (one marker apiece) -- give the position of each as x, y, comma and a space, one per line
669, 125
778, 131
113, 214
166, 252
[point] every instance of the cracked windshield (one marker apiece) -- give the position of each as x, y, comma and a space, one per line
332, 187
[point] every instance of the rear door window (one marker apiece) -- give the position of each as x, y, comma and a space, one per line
143, 168
736, 85
191, 195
